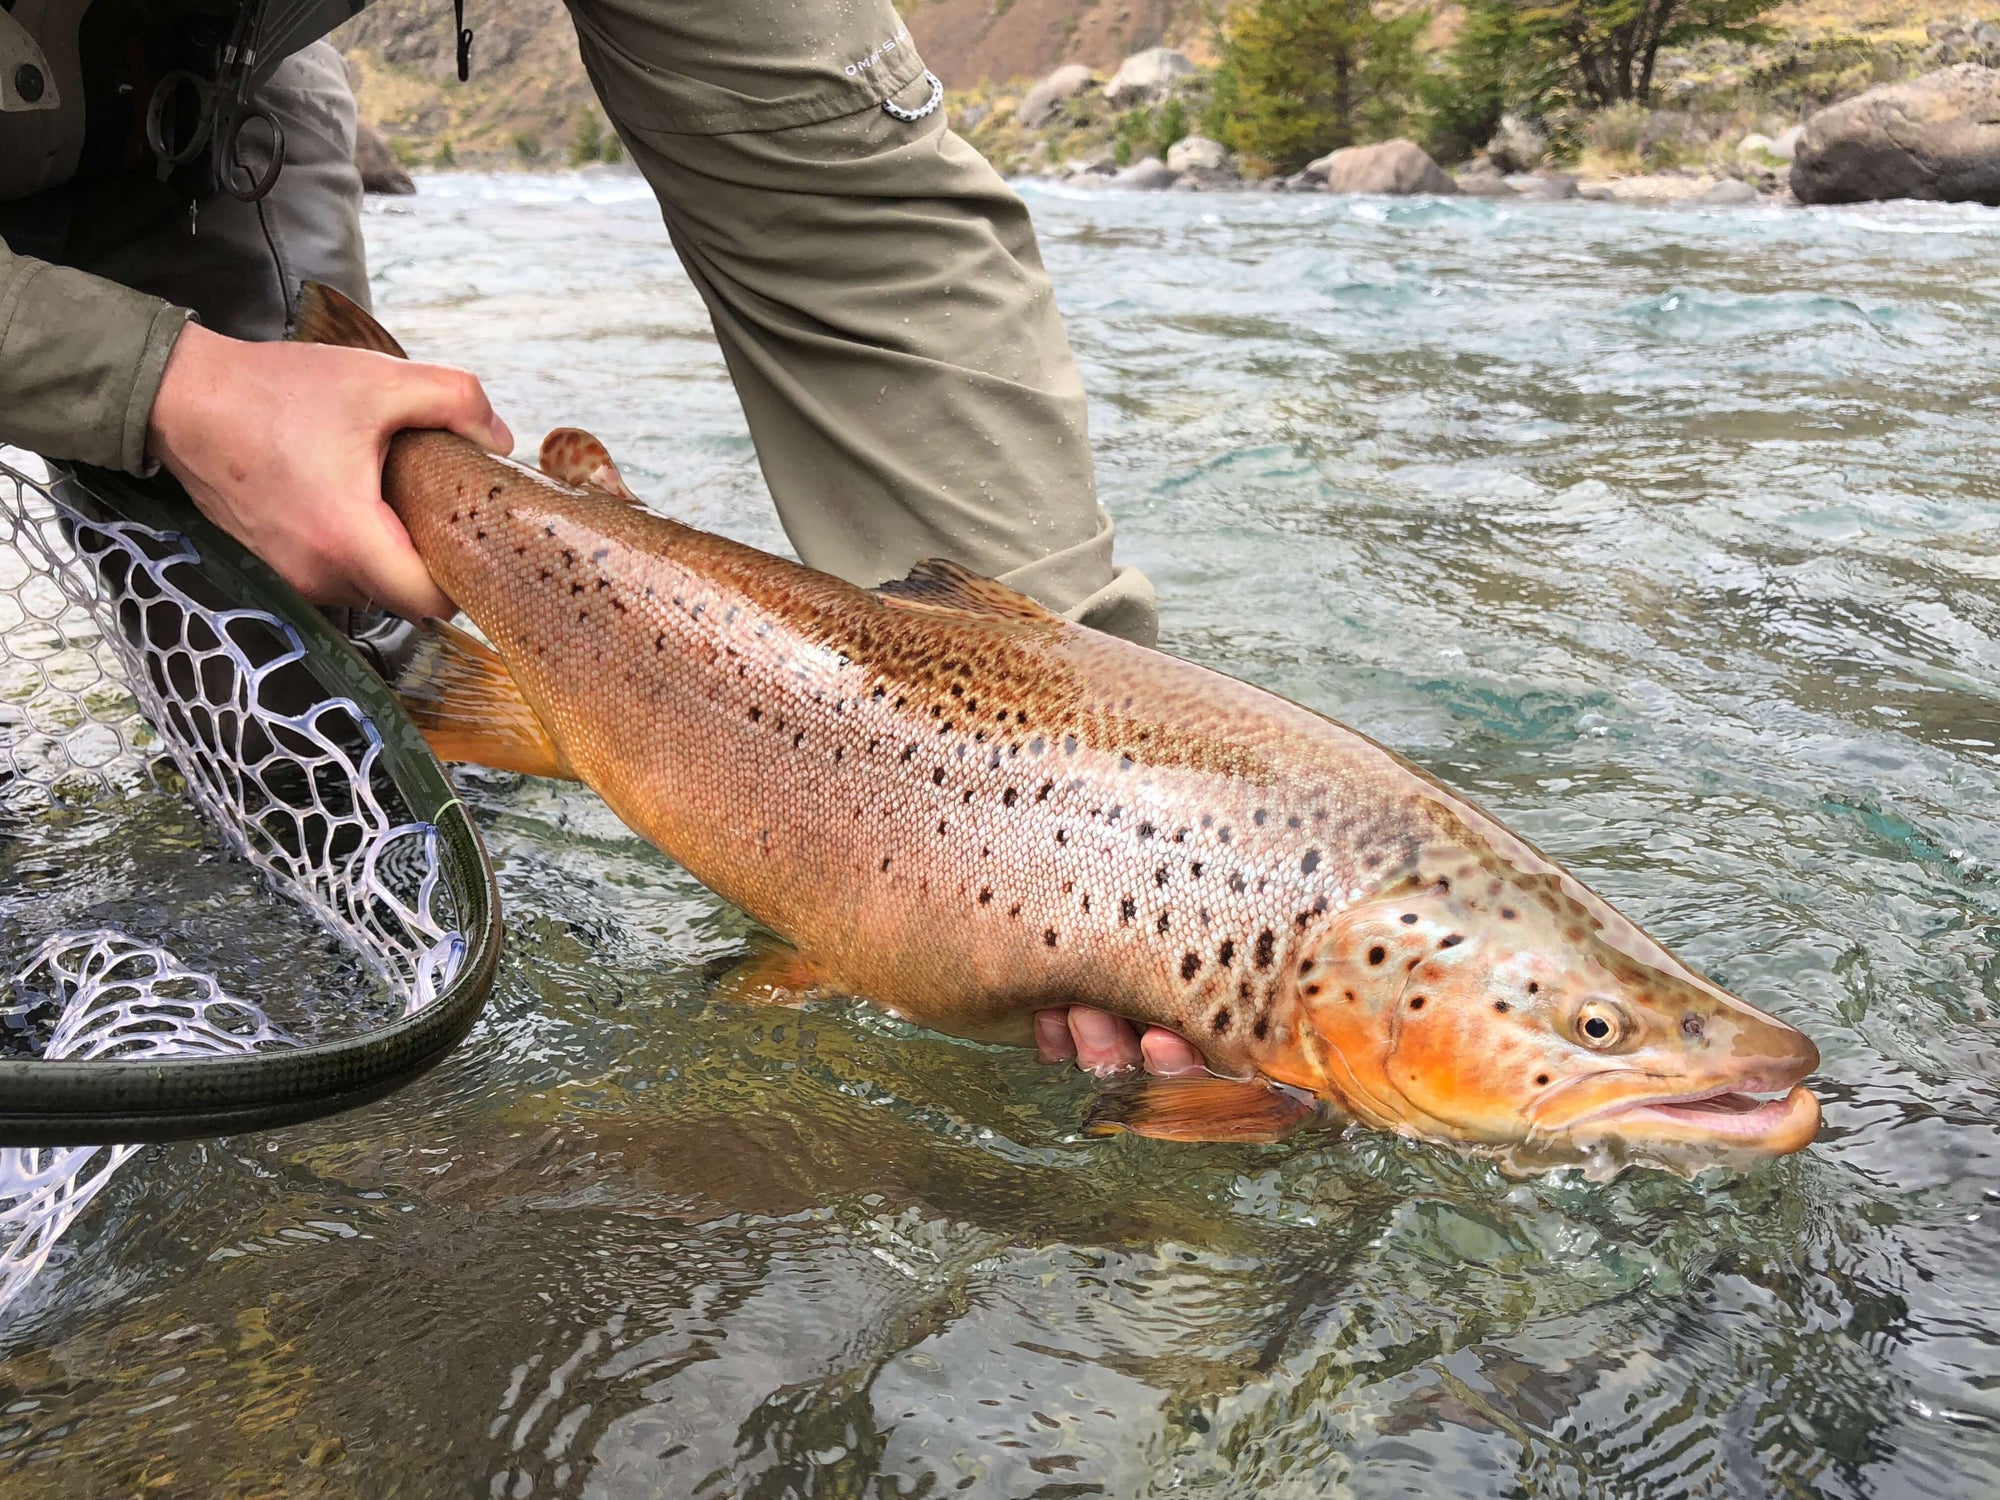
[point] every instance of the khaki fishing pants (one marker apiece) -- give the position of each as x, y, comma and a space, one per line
875, 287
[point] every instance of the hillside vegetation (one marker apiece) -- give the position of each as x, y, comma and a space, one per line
1417, 71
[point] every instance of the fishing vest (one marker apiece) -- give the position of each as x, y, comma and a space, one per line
78, 80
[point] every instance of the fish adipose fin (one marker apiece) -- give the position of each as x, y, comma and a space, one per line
937, 586
1201, 1108
325, 316
461, 695
575, 457
772, 973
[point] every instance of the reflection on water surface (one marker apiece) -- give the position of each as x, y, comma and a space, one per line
1668, 535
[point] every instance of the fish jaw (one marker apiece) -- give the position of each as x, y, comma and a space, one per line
1503, 1024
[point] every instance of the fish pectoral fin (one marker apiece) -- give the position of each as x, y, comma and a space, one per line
940, 587
459, 692
576, 457
325, 316
773, 972
1202, 1108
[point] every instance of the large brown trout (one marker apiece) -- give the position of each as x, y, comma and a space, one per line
954, 804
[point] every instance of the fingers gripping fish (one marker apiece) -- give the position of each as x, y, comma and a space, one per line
957, 805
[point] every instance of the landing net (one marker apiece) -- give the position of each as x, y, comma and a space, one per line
147, 664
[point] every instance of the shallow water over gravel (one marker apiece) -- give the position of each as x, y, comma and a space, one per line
1669, 535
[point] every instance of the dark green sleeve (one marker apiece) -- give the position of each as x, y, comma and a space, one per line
80, 362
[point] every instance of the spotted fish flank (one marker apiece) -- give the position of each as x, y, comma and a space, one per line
959, 806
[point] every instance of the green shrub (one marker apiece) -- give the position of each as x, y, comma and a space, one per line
1299, 78
528, 147
444, 156
588, 144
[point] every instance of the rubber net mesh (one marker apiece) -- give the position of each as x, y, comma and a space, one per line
126, 678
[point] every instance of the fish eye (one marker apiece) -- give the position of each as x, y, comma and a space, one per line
1599, 1025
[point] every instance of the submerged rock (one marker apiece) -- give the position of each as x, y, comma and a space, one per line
1935, 137
1399, 167
1054, 91
380, 171
1553, 186
1146, 75
1148, 176
1485, 183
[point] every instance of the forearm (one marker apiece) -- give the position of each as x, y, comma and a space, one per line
81, 360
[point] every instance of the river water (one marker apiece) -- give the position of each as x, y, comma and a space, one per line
1668, 534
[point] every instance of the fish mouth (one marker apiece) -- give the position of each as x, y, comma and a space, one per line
1747, 1120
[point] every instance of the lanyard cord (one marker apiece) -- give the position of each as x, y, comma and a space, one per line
464, 41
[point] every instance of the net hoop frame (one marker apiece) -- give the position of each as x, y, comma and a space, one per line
76, 1102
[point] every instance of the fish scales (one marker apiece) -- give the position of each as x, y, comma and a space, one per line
959, 816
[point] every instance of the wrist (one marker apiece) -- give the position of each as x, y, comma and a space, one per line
186, 391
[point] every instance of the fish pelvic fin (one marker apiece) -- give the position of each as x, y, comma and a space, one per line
459, 692
325, 316
1195, 1107
937, 586
773, 972
576, 457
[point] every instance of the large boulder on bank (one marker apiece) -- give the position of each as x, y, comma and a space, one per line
1054, 91
1934, 137
1398, 166
379, 169
1147, 75
1148, 176
1517, 146
1201, 158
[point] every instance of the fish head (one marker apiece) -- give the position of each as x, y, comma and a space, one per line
1548, 1030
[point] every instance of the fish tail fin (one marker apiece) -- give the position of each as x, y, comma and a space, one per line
325, 316
459, 693
1201, 1108
577, 457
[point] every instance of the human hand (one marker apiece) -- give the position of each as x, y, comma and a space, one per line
282, 446
1101, 1043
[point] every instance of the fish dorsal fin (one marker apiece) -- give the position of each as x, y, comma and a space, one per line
325, 316
942, 587
1199, 1107
576, 457
459, 692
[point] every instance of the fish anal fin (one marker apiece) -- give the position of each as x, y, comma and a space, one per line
459, 692
940, 586
1202, 1108
325, 316
577, 457
773, 972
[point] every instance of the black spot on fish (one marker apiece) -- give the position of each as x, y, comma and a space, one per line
1014, 910
1227, 952
1262, 1029
1507, 914
1127, 909
1377, 953
1160, 876
1502, 1006
1452, 941
1049, 937
1292, 822
1534, 988
798, 739
1162, 924
1238, 884
1145, 830
1062, 835
1008, 797
1043, 794
1542, 1079
908, 751
937, 777
885, 864
1267, 944
1416, 1002
1195, 869
1409, 918
986, 895
940, 825
1221, 1021
1190, 965
1310, 862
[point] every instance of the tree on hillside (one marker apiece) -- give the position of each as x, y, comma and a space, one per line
1299, 78
1612, 45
